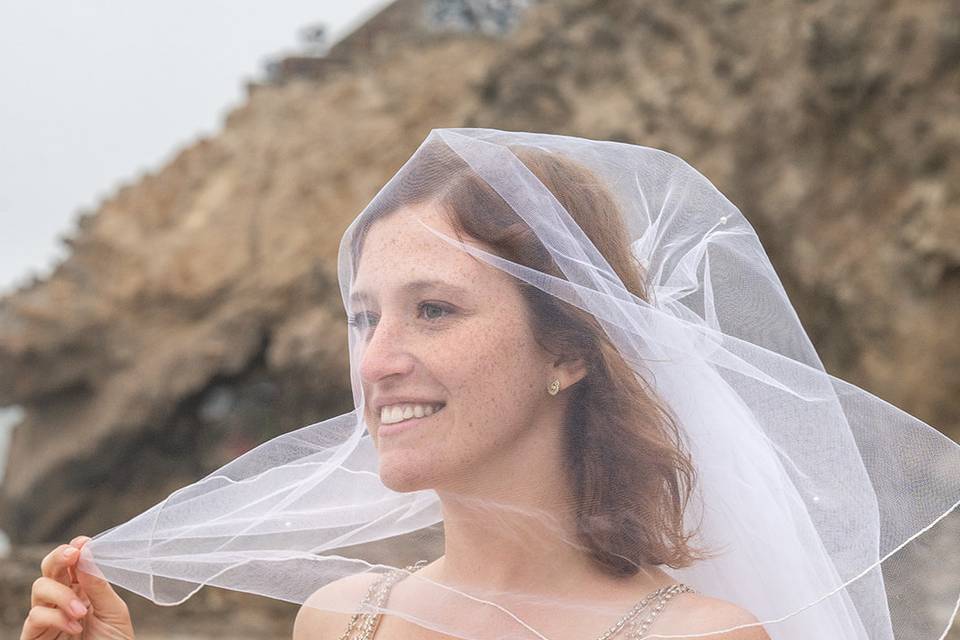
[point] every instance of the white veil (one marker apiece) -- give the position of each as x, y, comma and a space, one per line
810, 491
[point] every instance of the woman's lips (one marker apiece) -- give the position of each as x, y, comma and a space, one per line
404, 425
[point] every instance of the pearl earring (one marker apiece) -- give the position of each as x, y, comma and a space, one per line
554, 387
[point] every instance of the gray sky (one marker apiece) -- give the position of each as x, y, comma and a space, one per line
93, 93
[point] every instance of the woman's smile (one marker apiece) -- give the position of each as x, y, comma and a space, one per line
398, 418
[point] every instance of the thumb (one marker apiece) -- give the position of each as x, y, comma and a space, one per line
106, 603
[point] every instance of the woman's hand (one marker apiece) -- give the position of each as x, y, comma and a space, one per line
68, 603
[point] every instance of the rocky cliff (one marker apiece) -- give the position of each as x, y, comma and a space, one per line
198, 312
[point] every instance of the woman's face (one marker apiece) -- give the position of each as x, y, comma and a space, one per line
437, 326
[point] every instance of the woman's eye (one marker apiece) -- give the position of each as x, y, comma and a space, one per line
426, 310
433, 311
362, 320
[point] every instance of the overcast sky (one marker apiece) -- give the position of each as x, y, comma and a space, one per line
92, 93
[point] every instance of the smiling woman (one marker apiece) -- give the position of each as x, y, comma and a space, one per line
498, 323
480, 359
576, 356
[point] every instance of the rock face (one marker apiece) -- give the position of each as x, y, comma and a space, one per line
831, 125
199, 311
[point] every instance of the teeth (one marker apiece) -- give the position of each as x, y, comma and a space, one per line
400, 412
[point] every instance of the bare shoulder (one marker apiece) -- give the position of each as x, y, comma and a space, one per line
697, 613
316, 621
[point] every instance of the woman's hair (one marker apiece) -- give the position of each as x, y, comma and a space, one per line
629, 473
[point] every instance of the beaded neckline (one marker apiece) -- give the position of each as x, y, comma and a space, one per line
365, 624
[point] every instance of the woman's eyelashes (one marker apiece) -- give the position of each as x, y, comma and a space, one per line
360, 320
443, 308
429, 311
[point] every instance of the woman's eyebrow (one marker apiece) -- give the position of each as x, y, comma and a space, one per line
414, 286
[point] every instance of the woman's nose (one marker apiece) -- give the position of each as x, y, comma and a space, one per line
384, 354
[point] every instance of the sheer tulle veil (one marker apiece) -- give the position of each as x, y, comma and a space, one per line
779, 488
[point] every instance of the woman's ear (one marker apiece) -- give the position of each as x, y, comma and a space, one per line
570, 371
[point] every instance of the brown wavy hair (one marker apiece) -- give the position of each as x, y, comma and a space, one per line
629, 474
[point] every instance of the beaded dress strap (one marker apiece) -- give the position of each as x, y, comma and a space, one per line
363, 626
636, 627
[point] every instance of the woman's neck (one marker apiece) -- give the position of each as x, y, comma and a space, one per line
510, 526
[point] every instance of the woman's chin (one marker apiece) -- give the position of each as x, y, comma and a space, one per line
404, 477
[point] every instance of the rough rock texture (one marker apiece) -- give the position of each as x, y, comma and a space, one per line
199, 311
832, 125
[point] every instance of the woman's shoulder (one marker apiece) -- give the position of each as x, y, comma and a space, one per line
315, 619
698, 613
688, 613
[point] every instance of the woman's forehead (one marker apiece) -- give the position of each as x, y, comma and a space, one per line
399, 251
404, 231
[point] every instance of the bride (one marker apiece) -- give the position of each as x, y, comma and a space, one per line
536, 357
460, 342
